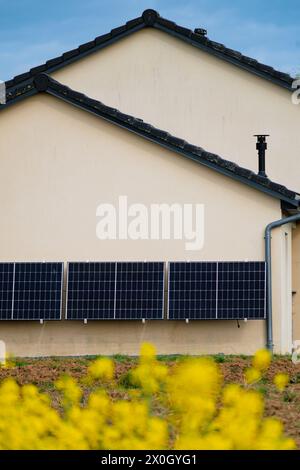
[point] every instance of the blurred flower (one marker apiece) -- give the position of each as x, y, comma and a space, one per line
70, 390
148, 352
252, 375
197, 410
102, 368
281, 381
262, 360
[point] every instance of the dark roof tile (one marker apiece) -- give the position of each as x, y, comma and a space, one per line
163, 135
70, 54
133, 23
167, 23
212, 157
53, 62
176, 141
243, 172
102, 39
118, 30
185, 31
87, 46
38, 69
21, 78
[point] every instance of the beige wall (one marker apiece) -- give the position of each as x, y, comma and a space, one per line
282, 280
57, 164
195, 96
103, 337
296, 283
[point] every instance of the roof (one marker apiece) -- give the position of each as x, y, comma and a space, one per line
45, 84
21, 84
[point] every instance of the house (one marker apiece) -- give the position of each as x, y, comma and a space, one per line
129, 114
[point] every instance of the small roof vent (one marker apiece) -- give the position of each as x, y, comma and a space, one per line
200, 31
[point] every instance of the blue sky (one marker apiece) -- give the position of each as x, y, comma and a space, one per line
32, 31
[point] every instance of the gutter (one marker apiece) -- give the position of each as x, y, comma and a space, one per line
268, 259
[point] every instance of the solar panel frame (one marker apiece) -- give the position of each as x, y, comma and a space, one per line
56, 294
260, 267
82, 264
157, 269
6, 290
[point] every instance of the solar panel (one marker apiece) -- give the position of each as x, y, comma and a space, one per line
6, 290
91, 291
192, 290
120, 291
241, 290
37, 291
140, 290
217, 290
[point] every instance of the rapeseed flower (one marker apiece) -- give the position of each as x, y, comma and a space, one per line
196, 410
281, 381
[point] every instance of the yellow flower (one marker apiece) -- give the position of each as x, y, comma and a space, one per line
252, 375
281, 381
70, 389
148, 352
149, 376
102, 368
9, 362
196, 411
262, 360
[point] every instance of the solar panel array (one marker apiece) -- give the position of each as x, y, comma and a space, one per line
120, 291
133, 290
31, 291
217, 290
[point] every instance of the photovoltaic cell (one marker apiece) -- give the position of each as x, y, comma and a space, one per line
192, 290
91, 291
6, 290
217, 290
139, 290
241, 290
37, 291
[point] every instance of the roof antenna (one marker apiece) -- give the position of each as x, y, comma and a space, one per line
261, 147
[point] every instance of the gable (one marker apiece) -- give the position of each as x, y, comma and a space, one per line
154, 73
192, 94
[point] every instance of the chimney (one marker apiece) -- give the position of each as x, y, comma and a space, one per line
261, 147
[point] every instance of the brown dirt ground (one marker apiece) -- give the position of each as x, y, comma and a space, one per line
285, 406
